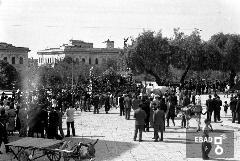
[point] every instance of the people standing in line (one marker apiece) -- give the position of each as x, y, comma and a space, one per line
121, 105
146, 108
158, 123
238, 109
233, 104
209, 104
70, 120
127, 105
139, 115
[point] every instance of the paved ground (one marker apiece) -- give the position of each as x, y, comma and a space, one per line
116, 143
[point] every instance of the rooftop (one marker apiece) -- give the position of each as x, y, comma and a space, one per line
9, 47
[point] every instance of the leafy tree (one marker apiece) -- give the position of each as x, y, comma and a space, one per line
150, 54
8, 75
228, 46
188, 52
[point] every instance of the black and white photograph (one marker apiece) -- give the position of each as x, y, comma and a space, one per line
119, 80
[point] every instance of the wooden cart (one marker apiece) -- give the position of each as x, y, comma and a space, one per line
28, 148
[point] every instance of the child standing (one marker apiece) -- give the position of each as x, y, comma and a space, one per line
225, 107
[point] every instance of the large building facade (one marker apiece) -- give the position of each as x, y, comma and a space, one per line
80, 51
16, 56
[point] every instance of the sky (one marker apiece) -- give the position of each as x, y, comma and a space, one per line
40, 24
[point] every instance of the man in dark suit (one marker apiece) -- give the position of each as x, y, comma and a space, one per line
158, 123
139, 115
219, 104
121, 105
215, 107
209, 104
146, 108
238, 109
233, 104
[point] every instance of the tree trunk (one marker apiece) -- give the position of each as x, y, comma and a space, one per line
185, 74
157, 78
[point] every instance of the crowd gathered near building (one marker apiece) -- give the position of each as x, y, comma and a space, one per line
40, 114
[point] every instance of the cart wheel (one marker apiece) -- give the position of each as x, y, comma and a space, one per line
23, 156
53, 156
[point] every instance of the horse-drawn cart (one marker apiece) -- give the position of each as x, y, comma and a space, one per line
28, 149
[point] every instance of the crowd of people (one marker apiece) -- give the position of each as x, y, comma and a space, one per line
41, 114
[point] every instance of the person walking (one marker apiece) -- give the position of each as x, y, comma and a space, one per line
225, 107
158, 123
215, 107
233, 104
128, 105
121, 105
70, 121
139, 116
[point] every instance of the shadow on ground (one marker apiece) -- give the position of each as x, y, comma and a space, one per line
105, 149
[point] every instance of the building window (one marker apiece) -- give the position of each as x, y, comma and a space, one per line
96, 61
90, 61
21, 60
13, 60
5, 58
41, 60
83, 60
50, 60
